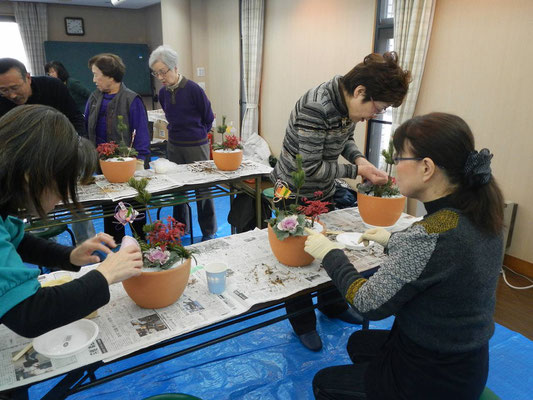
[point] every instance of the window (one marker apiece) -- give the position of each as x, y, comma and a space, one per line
13, 47
379, 128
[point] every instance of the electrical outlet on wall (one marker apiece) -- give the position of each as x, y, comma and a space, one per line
200, 71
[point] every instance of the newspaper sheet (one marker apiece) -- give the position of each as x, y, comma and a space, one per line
254, 277
197, 173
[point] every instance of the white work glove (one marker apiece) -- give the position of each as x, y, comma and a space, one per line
318, 245
378, 235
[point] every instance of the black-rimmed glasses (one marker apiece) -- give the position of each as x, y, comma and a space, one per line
160, 73
397, 159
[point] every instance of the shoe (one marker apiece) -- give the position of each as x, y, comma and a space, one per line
208, 237
311, 340
351, 316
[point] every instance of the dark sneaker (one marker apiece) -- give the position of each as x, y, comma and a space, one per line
311, 340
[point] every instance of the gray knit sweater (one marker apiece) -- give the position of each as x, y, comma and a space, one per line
319, 130
439, 281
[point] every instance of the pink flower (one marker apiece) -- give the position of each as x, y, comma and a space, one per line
156, 255
289, 224
124, 213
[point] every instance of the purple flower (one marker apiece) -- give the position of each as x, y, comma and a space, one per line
289, 224
157, 256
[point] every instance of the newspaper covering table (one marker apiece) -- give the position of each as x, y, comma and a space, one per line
254, 277
200, 172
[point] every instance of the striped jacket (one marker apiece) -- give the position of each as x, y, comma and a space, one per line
319, 129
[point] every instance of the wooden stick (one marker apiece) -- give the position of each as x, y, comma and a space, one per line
132, 139
27, 348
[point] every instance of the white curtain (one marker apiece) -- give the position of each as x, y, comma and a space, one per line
33, 25
252, 21
412, 30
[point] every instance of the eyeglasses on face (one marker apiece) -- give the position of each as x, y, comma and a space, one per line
12, 89
397, 159
160, 73
378, 110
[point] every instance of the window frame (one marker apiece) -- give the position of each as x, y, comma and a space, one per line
384, 31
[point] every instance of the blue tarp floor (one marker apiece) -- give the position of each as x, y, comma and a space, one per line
270, 363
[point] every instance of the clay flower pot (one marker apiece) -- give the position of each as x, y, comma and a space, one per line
118, 171
380, 211
158, 289
227, 160
290, 251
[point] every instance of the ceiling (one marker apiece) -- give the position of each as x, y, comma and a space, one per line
133, 4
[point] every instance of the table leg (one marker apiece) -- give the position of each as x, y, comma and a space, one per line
258, 210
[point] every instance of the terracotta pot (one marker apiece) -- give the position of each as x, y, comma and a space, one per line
290, 251
158, 289
118, 171
227, 160
380, 211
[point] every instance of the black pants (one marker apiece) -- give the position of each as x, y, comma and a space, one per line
329, 301
207, 218
388, 365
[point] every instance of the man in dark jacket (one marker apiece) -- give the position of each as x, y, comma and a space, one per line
17, 87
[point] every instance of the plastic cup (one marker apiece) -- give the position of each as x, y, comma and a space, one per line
216, 277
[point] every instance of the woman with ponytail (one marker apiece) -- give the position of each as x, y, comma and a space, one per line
439, 279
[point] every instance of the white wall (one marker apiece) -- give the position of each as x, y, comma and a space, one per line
205, 33
479, 67
306, 43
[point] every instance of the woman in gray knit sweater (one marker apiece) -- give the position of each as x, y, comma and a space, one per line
439, 279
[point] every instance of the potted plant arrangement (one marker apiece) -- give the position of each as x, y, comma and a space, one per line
118, 161
381, 205
286, 230
228, 154
166, 262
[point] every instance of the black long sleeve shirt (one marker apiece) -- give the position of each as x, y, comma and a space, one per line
52, 307
50, 92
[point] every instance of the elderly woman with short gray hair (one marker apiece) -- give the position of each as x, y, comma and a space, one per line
189, 115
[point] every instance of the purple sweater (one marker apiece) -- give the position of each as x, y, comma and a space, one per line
188, 112
136, 120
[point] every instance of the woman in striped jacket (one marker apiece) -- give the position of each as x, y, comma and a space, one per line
321, 128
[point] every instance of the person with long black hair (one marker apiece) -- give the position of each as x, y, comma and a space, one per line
439, 279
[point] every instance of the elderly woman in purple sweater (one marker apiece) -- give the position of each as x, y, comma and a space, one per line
189, 115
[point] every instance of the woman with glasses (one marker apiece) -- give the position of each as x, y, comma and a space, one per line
188, 112
321, 129
439, 279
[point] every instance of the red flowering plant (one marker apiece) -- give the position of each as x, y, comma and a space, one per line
314, 208
162, 247
229, 140
113, 150
292, 220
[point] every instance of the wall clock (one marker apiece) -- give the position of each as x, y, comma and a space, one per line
74, 26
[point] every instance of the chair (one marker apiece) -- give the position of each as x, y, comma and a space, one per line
488, 395
37, 229
173, 396
162, 201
